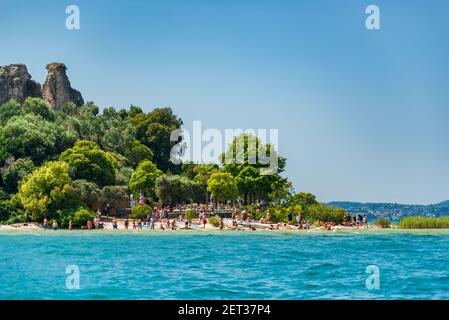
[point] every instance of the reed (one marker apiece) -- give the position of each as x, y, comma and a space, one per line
383, 223
424, 223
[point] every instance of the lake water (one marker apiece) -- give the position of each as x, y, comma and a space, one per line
227, 265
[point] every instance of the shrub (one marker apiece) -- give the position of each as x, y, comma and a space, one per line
383, 223
80, 217
279, 214
214, 221
322, 213
191, 214
423, 223
140, 212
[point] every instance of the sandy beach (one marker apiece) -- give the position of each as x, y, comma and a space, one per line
198, 229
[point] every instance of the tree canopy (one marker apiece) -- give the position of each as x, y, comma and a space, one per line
87, 161
222, 186
47, 189
65, 163
144, 178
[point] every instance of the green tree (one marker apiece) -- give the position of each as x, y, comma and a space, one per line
154, 130
174, 189
136, 152
222, 186
14, 171
304, 199
87, 192
144, 178
118, 134
4, 154
8, 110
38, 107
123, 176
114, 195
87, 161
200, 174
258, 174
46, 190
30, 136
318, 212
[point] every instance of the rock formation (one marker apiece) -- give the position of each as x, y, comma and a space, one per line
16, 83
57, 90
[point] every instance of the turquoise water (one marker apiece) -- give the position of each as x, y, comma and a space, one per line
223, 266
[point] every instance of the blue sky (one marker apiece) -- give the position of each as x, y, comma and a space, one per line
362, 114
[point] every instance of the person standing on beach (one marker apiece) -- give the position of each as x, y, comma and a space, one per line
126, 224
97, 222
290, 217
70, 224
45, 224
204, 220
114, 224
55, 225
298, 218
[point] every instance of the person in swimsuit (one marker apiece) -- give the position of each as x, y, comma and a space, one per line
204, 220
126, 224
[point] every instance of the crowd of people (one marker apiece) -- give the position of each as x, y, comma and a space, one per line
356, 220
231, 217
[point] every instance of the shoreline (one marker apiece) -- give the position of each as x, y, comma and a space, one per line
33, 228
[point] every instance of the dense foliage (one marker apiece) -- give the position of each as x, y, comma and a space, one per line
66, 164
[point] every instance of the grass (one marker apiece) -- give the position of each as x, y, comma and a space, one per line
424, 223
383, 223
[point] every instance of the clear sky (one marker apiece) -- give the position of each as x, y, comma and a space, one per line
362, 114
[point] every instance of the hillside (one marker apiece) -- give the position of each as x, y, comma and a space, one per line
393, 210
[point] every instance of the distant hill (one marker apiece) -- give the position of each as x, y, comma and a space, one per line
444, 204
393, 211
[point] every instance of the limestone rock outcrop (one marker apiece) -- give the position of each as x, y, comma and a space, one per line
16, 83
57, 90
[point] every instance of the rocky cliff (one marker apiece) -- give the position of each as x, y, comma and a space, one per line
57, 90
16, 83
